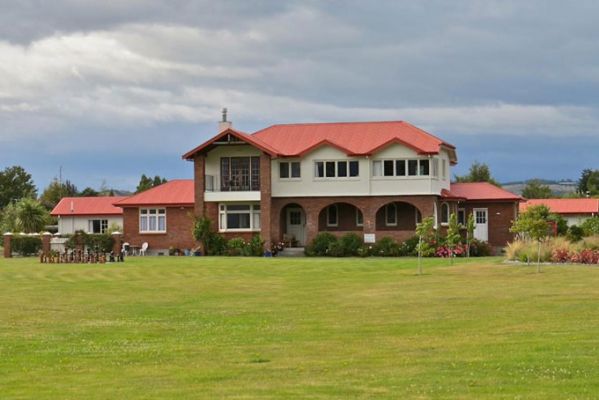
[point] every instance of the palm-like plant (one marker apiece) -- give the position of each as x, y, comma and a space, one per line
31, 215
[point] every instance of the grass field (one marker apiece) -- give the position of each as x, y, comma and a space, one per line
183, 328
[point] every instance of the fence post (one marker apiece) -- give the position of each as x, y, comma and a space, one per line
7, 245
46, 247
118, 243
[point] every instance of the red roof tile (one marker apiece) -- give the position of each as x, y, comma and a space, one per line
178, 192
565, 206
355, 138
87, 206
481, 191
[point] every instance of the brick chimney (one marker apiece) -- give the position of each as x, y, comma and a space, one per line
224, 124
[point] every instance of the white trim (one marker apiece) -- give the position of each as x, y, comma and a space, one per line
148, 218
253, 210
336, 215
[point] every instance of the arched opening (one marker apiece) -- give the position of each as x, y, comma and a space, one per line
397, 216
293, 225
340, 217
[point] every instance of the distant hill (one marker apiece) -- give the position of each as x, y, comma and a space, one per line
560, 188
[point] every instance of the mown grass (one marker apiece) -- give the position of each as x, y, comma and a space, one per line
183, 328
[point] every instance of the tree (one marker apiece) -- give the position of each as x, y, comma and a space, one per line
583, 181
146, 183
534, 225
593, 183
31, 215
426, 233
479, 172
202, 232
56, 191
470, 225
88, 192
535, 189
15, 184
453, 237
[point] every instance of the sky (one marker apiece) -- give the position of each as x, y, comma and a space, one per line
109, 90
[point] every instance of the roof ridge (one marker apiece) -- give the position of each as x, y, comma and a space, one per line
333, 123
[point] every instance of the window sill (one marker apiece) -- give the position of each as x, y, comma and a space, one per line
237, 230
152, 232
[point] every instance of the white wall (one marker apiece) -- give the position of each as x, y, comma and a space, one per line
575, 219
365, 184
68, 225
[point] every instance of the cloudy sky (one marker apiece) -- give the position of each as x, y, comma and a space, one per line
112, 89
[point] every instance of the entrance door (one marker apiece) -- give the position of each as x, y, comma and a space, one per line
481, 228
296, 224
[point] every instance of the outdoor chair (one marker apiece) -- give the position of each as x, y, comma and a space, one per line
144, 247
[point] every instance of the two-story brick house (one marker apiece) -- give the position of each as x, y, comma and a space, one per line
289, 182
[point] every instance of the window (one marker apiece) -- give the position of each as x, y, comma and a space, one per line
417, 167
412, 167
444, 213
391, 214
377, 168
97, 225
461, 216
336, 169
359, 218
444, 169
330, 169
400, 167
152, 220
418, 216
239, 174
332, 215
239, 217
388, 168
354, 168
289, 169
435, 167
424, 167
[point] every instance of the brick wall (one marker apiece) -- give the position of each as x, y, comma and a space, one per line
501, 215
179, 225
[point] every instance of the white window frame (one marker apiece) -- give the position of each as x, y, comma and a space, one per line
103, 225
358, 214
387, 223
160, 211
336, 175
447, 214
416, 213
290, 170
336, 223
254, 211
462, 210
395, 171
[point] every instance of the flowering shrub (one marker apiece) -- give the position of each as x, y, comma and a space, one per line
556, 250
560, 256
445, 252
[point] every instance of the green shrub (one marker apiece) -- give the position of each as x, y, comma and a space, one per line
216, 244
101, 242
350, 244
409, 247
256, 246
320, 244
26, 245
478, 248
335, 249
590, 227
575, 233
235, 247
386, 247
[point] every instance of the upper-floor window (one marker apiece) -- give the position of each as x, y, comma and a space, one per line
152, 220
336, 169
97, 225
239, 174
444, 169
289, 169
412, 167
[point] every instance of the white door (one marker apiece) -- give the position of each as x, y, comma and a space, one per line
296, 224
481, 227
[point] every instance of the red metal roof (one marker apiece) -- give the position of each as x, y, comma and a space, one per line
178, 192
87, 206
481, 191
565, 206
354, 138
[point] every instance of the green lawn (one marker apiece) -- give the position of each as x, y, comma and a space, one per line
183, 328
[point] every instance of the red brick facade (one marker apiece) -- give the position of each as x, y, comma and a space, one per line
179, 225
